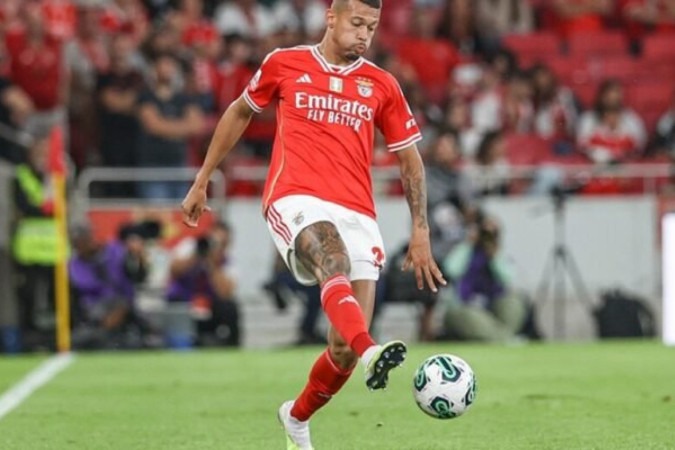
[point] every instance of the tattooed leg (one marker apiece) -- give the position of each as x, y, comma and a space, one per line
322, 251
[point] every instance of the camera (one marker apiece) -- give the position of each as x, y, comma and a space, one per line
203, 246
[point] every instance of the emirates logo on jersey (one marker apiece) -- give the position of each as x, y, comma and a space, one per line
334, 110
364, 87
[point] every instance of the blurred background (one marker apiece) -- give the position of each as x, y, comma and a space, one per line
549, 142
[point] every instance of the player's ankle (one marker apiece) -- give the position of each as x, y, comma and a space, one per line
367, 356
362, 342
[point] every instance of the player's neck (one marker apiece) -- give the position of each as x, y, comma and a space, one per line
330, 53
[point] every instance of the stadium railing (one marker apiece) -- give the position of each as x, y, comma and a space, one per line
94, 175
651, 174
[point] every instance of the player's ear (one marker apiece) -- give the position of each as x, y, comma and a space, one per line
331, 17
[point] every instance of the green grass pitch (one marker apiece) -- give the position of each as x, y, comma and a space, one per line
618, 395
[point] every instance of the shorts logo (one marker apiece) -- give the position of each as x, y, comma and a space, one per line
299, 218
379, 257
364, 87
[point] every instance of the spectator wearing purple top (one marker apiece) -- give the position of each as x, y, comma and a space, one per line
103, 279
481, 304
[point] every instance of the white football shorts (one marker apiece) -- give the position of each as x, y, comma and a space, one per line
288, 216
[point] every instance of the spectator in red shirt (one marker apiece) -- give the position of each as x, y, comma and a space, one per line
127, 16
202, 46
60, 18
38, 67
610, 132
197, 32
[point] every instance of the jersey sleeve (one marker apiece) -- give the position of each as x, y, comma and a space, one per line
396, 120
264, 85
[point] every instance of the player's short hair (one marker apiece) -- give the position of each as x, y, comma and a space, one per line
377, 4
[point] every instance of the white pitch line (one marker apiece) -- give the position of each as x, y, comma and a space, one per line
33, 381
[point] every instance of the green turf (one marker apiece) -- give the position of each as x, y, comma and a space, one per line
13, 368
596, 396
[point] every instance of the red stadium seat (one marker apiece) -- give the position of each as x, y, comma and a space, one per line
570, 70
592, 44
526, 149
623, 68
649, 100
659, 46
533, 47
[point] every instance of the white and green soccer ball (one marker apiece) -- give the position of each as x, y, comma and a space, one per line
444, 386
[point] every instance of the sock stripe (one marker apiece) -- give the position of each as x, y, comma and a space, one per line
336, 280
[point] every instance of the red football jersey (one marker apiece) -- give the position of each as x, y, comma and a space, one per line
326, 119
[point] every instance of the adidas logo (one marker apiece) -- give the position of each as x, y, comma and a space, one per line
304, 79
348, 299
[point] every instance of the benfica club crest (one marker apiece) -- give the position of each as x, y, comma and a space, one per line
364, 87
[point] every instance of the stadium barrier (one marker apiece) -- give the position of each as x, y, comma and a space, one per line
94, 175
615, 239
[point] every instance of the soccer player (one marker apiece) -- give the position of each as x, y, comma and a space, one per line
318, 200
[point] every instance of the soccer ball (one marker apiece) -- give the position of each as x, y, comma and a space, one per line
444, 386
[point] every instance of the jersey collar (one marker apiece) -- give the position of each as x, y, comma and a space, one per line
330, 68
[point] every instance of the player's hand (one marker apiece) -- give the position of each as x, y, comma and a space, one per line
420, 259
194, 205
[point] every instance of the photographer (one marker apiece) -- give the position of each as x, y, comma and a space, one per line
104, 279
481, 304
201, 275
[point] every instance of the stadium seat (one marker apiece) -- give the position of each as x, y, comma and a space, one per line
592, 44
534, 47
623, 68
570, 70
526, 149
659, 47
649, 100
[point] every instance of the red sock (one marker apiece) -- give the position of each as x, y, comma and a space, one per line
325, 380
344, 313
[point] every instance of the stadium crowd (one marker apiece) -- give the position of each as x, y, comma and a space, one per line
542, 85
142, 82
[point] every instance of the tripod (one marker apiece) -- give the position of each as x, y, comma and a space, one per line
560, 263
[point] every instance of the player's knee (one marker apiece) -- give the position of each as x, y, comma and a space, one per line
342, 354
336, 263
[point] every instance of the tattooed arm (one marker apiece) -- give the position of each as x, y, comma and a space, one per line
414, 186
419, 250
